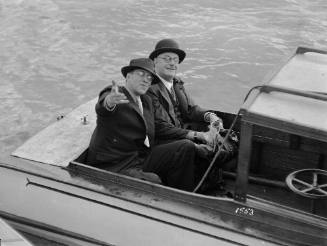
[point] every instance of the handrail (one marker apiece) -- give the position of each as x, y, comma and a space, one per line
270, 88
302, 50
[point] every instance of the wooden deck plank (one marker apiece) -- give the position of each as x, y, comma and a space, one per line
63, 140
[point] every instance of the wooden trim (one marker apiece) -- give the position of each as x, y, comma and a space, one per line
285, 126
244, 158
258, 180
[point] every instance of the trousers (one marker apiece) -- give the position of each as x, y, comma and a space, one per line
174, 163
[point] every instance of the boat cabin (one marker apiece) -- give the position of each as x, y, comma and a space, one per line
283, 147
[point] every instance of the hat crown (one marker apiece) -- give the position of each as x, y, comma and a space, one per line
167, 43
142, 63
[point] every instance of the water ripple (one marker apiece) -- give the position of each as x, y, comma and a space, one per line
57, 54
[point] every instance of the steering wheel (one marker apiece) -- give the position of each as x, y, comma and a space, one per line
307, 182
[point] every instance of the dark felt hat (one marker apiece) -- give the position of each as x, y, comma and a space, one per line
141, 63
168, 45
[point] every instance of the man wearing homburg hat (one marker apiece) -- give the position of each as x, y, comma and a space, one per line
123, 140
174, 105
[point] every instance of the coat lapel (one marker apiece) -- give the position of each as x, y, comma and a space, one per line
134, 105
164, 93
181, 97
148, 116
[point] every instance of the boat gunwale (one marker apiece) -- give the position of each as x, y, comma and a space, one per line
205, 201
263, 235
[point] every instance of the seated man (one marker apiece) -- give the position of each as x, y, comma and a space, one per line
123, 140
174, 108
174, 104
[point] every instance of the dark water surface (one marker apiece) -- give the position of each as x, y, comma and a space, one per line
58, 54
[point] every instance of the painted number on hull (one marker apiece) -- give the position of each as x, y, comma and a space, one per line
245, 211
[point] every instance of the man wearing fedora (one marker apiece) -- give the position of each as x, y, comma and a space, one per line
174, 106
123, 140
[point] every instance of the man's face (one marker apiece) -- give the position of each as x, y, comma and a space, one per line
166, 65
138, 81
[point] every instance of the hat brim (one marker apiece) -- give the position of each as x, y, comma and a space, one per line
125, 70
181, 53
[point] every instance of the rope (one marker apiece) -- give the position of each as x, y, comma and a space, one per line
223, 142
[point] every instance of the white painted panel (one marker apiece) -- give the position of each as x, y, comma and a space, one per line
62, 141
307, 72
293, 109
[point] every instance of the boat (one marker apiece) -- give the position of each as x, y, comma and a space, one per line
279, 186
10, 237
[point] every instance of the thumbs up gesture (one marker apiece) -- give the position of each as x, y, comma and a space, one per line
114, 97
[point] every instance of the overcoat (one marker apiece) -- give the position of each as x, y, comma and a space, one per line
117, 142
167, 124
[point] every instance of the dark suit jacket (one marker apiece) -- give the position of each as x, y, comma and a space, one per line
166, 122
117, 142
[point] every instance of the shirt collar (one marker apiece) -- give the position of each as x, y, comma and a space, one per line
167, 84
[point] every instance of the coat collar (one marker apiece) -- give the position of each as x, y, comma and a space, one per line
165, 94
133, 103
177, 84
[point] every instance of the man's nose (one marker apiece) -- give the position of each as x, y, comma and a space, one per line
172, 65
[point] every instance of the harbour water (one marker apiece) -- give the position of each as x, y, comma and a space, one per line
58, 54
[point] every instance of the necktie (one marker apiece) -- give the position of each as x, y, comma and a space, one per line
172, 92
139, 103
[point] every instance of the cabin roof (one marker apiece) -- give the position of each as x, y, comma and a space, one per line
304, 71
295, 99
62, 141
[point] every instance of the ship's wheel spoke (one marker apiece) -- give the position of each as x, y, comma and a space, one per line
308, 189
302, 182
322, 191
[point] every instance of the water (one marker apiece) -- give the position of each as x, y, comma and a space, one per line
56, 55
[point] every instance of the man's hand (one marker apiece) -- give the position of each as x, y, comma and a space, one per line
216, 122
211, 137
114, 97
